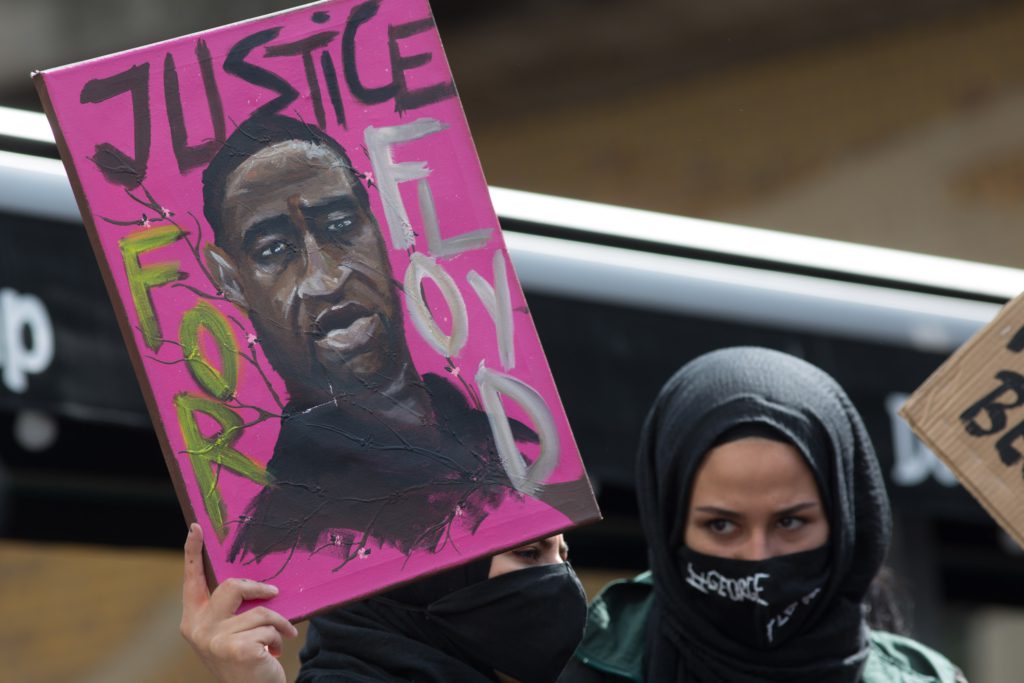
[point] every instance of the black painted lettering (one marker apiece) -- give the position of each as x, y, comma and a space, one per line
305, 48
193, 156
1017, 343
1012, 387
116, 166
333, 88
406, 99
359, 15
1008, 453
236, 65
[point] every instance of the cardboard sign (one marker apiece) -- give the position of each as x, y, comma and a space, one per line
970, 412
294, 228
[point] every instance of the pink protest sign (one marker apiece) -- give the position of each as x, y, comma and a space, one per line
295, 230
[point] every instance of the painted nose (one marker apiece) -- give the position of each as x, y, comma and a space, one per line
323, 275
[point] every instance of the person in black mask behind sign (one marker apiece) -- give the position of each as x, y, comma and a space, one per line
767, 520
513, 617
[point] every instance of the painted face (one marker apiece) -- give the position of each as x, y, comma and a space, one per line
754, 499
551, 550
304, 256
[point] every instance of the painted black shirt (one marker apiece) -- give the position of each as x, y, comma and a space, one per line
345, 481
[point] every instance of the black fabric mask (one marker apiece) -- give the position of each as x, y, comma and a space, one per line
524, 624
760, 603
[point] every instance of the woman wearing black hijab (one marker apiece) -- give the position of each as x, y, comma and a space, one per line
513, 617
766, 518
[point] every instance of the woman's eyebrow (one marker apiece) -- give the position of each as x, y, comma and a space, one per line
799, 507
713, 510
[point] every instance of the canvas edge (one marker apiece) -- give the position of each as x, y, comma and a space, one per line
127, 334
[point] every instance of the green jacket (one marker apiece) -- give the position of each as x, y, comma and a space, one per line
613, 648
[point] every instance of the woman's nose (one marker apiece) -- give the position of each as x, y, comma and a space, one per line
755, 548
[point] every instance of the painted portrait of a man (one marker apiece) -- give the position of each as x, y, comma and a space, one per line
318, 300
369, 450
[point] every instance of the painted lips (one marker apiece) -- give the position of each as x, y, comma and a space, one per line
345, 328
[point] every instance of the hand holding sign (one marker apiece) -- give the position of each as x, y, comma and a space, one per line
243, 647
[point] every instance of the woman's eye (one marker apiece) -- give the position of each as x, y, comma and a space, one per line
790, 523
719, 526
529, 553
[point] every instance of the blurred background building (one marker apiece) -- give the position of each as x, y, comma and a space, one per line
889, 124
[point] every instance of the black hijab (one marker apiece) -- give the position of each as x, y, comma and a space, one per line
701, 403
380, 639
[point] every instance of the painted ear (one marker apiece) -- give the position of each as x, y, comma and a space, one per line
223, 274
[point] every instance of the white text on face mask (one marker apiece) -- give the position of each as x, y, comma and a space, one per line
780, 620
746, 588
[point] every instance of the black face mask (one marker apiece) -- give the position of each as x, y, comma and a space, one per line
525, 624
762, 603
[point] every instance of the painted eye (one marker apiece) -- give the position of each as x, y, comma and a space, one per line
336, 224
275, 249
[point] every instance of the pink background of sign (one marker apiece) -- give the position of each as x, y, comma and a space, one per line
462, 203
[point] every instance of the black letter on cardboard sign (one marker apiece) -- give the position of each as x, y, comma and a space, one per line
1008, 453
305, 48
406, 99
191, 156
1011, 381
1017, 343
359, 15
116, 166
236, 65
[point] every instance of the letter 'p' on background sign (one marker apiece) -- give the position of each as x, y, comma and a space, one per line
970, 412
296, 234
